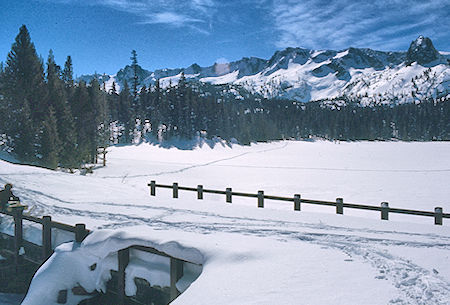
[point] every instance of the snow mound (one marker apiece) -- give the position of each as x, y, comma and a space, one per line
89, 264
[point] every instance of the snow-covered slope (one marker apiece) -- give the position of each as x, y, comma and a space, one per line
249, 255
304, 75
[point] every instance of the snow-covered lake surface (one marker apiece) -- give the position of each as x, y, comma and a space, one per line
249, 255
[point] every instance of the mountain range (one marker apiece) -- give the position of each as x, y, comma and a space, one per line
306, 75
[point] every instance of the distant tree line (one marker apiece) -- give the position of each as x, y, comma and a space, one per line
47, 118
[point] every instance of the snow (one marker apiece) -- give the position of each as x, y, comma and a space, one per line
109, 83
248, 255
223, 79
341, 54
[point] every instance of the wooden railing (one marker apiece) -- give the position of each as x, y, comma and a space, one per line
80, 231
297, 200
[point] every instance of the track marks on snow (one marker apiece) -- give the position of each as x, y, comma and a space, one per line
200, 165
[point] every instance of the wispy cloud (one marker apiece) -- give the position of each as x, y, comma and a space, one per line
170, 18
189, 13
317, 24
195, 14
381, 24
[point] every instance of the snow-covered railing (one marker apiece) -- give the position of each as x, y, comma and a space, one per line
80, 233
384, 208
79, 230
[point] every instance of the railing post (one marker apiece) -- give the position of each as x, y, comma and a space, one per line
228, 194
297, 202
46, 237
385, 210
18, 234
260, 199
152, 188
339, 206
123, 258
175, 190
176, 272
80, 232
200, 192
438, 216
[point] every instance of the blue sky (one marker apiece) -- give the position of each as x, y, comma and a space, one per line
100, 34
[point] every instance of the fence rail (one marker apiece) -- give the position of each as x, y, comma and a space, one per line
384, 208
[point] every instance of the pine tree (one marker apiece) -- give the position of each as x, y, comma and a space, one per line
134, 65
135, 105
124, 112
57, 99
25, 137
82, 113
24, 90
50, 144
67, 73
24, 74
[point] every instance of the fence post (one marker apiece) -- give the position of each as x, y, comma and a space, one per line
18, 234
200, 191
46, 237
385, 210
260, 199
175, 190
80, 232
297, 202
228, 194
104, 156
339, 206
438, 216
123, 260
176, 272
152, 188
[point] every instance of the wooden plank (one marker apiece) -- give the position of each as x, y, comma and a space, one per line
63, 226
123, 260
240, 194
18, 234
175, 190
176, 272
278, 198
297, 202
152, 185
47, 249
339, 206
385, 211
200, 192
438, 216
185, 188
229, 194
318, 202
80, 232
260, 199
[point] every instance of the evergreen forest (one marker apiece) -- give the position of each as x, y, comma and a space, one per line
49, 119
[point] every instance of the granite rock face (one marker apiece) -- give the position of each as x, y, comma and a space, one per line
421, 51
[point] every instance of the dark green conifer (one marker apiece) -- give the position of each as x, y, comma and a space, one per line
50, 143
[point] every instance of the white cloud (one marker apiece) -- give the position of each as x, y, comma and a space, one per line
382, 24
189, 13
170, 18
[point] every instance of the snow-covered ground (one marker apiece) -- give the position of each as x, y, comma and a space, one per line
249, 255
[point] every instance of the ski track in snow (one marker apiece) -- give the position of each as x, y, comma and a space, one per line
415, 284
200, 165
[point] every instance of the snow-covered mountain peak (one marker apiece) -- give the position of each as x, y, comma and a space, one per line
304, 75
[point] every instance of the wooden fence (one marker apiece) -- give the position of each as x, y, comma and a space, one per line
297, 201
80, 231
